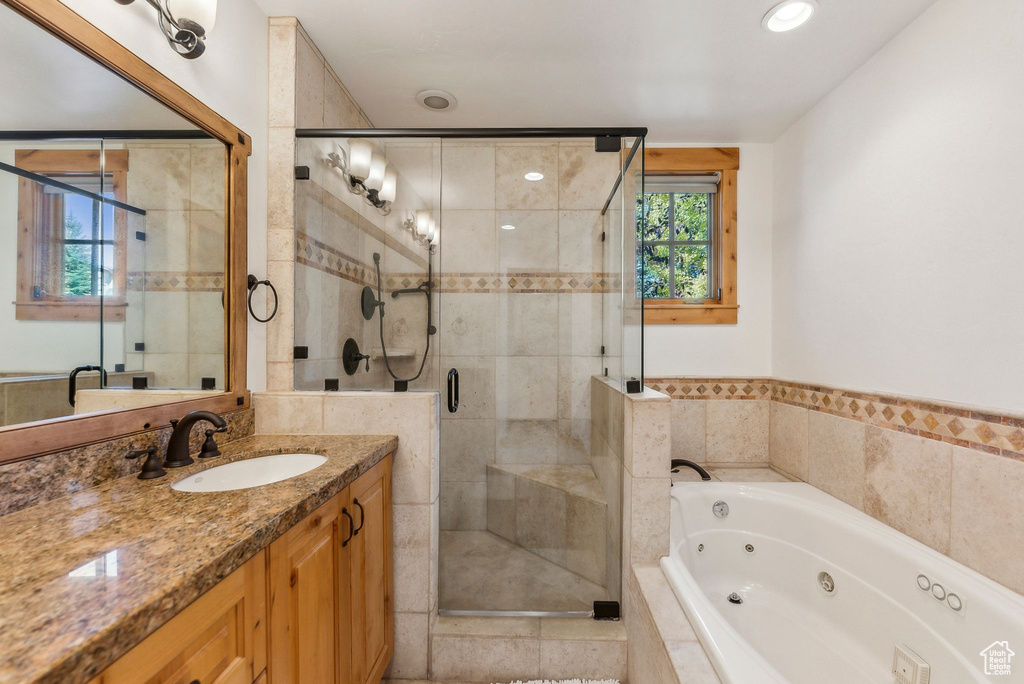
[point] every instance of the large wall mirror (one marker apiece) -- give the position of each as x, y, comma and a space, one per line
118, 216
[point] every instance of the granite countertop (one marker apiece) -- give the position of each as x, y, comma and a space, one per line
85, 577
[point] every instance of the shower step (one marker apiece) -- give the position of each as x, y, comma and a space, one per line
558, 512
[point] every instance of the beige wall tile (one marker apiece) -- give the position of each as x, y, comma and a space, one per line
527, 441
541, 520
907, 484
411, 535
533, 246
579, 241
463, 505
469, 241
585, 177
501, 503
484, 659
339, 109
526, 324
281, 184
281, 329
411, 646
691, 663
574, 374
513, 191
835, 448
467, 447
476, 386
987, 519
524, 387
467, 177
688, 435
468, 324
585, 526
737, 431
647, 448
279, 376
649, 519
565, 659
787, 448
288, 414
309, 85
579, 324
487, 626
281, 97
574, 442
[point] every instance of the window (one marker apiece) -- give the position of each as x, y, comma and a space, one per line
686, 234
71, 245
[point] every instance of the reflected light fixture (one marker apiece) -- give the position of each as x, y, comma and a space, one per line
508, 226
423, 228
534, 176
367, 172
788, 15
185, 23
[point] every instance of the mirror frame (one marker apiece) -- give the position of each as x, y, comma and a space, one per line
26, 440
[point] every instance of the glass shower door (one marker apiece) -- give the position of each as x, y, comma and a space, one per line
526, 523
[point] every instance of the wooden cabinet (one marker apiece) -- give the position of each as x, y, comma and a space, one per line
219, 639
331, 615
315, 607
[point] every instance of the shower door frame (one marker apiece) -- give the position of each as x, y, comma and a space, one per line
638, 133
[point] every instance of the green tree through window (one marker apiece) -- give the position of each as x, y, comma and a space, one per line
675, 245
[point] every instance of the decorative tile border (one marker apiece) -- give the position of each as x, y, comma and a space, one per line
175, 281
548, 283
315, 254
994, 433
712, 388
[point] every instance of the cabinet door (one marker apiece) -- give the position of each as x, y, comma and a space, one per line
369, 560
218, 639
308, 586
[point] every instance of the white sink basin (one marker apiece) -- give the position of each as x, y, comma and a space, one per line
253, 472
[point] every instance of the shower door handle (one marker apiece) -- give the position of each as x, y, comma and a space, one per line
453, 390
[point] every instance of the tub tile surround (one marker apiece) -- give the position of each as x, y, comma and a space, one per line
942, 473
414, 418
37, 480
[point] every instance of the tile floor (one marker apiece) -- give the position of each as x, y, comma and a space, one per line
481, 571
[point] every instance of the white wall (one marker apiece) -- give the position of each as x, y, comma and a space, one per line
899, 217
231, 78
744, 349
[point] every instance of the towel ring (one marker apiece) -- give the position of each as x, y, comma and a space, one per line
254, 283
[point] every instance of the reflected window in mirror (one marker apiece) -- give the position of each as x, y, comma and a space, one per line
72, 234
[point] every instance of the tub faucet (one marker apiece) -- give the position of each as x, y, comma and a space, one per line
677, 462
177, 448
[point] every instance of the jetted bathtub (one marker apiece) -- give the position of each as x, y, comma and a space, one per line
826, 593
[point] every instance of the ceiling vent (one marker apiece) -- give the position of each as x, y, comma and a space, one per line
437, 100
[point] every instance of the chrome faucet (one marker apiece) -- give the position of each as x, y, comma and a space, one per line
177, 448
677, 462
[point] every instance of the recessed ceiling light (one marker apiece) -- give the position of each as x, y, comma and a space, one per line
788, 15
534, 176
508, 226
437, 100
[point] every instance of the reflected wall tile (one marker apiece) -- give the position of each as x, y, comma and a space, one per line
467, 177
585, 177
907, 484
166, 318
527, 324
206, 366
532, 247
159, 178
527, 441
835, 448
206, 242
467, 447
208, 177
167, 241
579, 242
512, 190
525, 387
205, 331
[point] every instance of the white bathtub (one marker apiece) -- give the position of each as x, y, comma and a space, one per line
789, 629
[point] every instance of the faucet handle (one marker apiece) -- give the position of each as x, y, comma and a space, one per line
210, 448
151, 468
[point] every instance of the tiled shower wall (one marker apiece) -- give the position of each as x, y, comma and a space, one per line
949, 476
520, 309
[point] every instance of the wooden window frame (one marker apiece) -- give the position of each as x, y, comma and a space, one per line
725, 161
56, 162
28, 440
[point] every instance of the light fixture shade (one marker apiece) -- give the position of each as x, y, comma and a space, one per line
360, 152
202, 12
390, 186
422, 222
378, 165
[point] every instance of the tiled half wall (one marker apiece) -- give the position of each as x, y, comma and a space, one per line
949, 476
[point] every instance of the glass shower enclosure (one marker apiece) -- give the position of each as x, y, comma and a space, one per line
495, 267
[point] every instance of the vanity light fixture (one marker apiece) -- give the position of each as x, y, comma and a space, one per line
788, 15
185, 23
367, 172
534, 176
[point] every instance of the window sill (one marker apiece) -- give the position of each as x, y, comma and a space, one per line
678, 313
113, 311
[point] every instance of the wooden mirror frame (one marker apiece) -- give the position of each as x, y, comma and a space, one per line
26, 440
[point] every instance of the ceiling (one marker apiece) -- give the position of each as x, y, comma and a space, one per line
690, 70
48, 85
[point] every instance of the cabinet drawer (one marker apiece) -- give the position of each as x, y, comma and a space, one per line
219, 639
